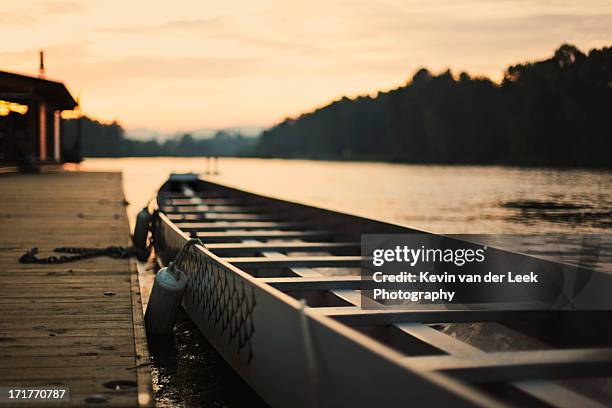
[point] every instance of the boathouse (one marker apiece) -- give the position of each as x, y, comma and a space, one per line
31, 122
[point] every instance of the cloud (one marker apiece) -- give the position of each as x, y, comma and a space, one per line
16, 19
216, 28
461, 40
62, 7
459, 23
30, 12
197, 24
147, 68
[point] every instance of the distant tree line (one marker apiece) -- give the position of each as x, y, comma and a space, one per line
556, 112
109, 140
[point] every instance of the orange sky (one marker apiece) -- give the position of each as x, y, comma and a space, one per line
190, 63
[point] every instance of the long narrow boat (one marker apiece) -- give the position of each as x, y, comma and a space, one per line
262, 291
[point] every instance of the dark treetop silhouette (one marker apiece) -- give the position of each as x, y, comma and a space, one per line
109, 140
555, 112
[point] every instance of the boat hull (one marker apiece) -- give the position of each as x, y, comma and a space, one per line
288, 354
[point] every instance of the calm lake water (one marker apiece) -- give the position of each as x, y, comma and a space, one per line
441, 199
552, 210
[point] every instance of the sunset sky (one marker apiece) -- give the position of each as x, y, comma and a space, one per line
189, 64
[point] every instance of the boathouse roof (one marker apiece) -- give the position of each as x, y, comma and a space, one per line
24, 86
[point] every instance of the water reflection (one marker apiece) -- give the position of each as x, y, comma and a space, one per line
187, 371
443, 199
560, 212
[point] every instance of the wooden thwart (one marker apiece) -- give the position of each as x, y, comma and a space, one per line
297, 262
222, 217
237, 248
237, 236
252, 225
215, 209
209, 201
354, 316
315, 283
520, 365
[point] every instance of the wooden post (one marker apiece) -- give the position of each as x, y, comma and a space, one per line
56, 137
79, 136
42, 132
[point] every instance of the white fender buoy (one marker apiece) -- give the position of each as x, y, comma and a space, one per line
165, 300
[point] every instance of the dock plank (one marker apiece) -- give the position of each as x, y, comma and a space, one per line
59, 325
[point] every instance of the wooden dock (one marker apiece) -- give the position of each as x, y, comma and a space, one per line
76, 324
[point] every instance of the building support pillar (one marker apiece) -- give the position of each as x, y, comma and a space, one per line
56, 137
42, 132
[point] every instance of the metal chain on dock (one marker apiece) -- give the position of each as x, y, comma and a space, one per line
117, 252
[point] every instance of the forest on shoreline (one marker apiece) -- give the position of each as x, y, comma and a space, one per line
110, 140
554, 112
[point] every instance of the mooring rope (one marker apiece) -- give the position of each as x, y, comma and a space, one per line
181, 254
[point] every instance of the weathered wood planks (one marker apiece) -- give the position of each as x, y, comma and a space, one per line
77, 324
